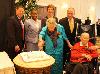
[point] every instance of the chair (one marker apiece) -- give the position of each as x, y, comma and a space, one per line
86, 28
70, 66
98, 29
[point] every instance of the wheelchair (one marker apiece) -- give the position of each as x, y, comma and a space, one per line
88, 29
95, 66
92, 68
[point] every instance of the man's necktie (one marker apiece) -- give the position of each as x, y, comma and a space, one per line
71, 24
22, 25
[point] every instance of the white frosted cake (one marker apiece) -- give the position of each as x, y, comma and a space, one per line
34, 56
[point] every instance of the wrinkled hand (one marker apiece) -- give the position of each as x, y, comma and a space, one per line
40, 45
94, 47
17, 48
88, 57
40, 48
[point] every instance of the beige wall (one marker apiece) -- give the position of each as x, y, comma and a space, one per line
83, 8
98, 9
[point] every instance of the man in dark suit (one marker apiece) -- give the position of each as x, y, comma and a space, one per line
15, 33
70, 25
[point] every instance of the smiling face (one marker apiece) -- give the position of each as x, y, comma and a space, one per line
50, 10
20, 12
51, 27
34, 14
51, 24
70, 13
84, 38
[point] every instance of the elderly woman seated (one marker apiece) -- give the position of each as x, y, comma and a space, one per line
82, 54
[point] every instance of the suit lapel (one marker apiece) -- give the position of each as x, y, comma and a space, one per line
17, 20
18, 25
75, 25
69, 25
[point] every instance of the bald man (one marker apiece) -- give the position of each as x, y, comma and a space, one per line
70, 25
82, 55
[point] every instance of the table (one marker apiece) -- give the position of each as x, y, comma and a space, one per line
6, 65
33, 67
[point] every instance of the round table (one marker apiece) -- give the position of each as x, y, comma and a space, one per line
35, 67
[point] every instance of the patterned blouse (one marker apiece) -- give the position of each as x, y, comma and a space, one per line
32, 29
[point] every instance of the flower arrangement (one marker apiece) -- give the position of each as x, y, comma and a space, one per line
28, 4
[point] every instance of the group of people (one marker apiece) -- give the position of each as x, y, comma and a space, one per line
53, 37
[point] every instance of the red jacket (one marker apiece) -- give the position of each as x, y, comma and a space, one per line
77, 51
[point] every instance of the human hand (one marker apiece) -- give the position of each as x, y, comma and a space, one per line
41, 43
17, 48
88, 57
40, 48
83, 55
94, 47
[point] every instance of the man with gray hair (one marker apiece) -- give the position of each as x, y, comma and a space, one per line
70, 25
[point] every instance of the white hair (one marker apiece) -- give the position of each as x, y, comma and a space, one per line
85, 34
51, 21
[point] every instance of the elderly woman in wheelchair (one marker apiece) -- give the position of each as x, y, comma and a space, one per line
82, 55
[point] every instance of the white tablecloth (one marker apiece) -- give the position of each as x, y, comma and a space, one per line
6, 65
35, 62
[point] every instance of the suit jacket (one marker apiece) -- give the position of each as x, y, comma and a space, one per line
14, 34
87, 22
65, 23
